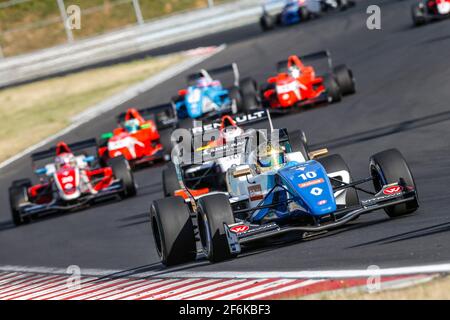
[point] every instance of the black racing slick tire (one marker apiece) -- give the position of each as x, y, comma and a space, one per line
332, 87
213, 212
267, 22
18, 195
249, 92
122, 171
418, 15
345, 80
298, 142
304, 14
388, 167
236, 96
170, 180
335, 163
173, 231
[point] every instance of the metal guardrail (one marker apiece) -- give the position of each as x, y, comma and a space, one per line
179, 27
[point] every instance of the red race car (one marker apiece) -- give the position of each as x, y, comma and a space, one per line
297, 84
70, 178
136, 138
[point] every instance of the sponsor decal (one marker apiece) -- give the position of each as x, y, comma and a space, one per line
392, 190
316, 191
311, 183
255, 193
239, 229
322, 202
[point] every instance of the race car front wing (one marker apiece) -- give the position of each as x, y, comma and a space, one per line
243, 232
32, 209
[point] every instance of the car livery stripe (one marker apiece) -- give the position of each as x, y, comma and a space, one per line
39, 286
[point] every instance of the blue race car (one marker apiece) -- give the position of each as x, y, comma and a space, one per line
207, 98
278, 189
296, 11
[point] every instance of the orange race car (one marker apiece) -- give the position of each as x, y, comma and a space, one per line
297, 84
136, 138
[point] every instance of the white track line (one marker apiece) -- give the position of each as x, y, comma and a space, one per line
309, 274
115, 101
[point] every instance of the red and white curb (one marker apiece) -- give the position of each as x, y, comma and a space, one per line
38, 286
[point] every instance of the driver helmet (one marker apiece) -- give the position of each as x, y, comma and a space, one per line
272, 158
203, 82
65, 160
294, 71
132, 126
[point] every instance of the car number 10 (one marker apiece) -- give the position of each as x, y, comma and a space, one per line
308, 175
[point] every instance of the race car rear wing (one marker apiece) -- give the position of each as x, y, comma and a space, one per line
163, 115
213, 72
241, 120
74, 147
325, 54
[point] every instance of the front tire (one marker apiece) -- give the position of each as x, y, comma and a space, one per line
18, 195
121, 170
299, 143
213, 212
389, 167
418, 16
173, 231
332, 87
249, 92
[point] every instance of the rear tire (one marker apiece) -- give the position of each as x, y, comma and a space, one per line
345, 80
267, 22
173, 231
170, 181
18, 195
389, 167
335, 163
332, 87
121, 170
213, 211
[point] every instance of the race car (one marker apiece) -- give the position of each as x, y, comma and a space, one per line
136, 138
296, 11
201, 174
277, 191
207, 98
297, 85
70, 178
428, 10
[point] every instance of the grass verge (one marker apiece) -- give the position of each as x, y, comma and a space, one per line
37, 110
437, 289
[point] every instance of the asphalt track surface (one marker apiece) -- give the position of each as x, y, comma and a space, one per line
402, 101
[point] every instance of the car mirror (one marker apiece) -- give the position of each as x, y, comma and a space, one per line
272, 80
242, 172
318, 153
41, 171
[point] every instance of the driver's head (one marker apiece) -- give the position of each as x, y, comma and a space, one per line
132, 126
65, 160
294, 71
203, 82
271, 158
